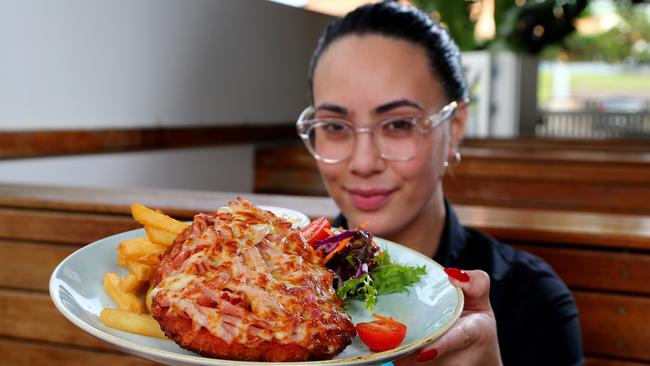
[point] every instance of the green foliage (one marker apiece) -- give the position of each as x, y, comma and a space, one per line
455, 14
528, 27
628, 42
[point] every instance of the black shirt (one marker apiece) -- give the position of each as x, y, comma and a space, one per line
537, 318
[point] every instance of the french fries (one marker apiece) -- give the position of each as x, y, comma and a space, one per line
160, 236
148, 298
141, 257
143, 272
124, 300
130, 283
149, 217
138, 247
127, 321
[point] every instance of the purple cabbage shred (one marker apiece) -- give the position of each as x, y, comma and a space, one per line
330, 243
363, 268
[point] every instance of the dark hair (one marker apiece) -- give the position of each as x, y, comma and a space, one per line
403, 22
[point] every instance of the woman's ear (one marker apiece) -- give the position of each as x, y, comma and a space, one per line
457, 127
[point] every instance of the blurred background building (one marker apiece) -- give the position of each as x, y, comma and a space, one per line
553, 68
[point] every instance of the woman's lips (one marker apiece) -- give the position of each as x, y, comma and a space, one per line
370, 199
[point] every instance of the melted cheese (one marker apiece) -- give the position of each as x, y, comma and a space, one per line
246, 276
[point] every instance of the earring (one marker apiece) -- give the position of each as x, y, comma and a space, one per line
457, 158
455, 163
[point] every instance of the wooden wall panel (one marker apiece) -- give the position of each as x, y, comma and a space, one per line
597, 361
572, 171
15, 353
603, 176
615, 325
28, 266
175, 202
33, 316
571, 195
603, 257
527, 144
310, 182
52, 226
44, 143
617, 271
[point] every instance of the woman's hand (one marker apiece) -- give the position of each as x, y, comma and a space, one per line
472, 340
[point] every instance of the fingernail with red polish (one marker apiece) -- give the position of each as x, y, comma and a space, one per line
427, 355
457, 274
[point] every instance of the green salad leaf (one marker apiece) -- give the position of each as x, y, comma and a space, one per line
385, 277
389, 277
359, 288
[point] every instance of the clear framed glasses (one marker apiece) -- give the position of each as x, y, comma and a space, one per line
332, 140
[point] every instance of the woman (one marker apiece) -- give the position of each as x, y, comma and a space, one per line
389, 106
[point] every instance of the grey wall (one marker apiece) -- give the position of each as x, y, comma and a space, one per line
94, 64
126, 63
210, 168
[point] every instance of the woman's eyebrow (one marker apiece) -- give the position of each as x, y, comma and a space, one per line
332, 108
379, 110
396, 104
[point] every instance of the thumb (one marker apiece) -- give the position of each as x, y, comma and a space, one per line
475, 286
465, 332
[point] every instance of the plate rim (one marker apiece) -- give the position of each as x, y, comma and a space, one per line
156, 353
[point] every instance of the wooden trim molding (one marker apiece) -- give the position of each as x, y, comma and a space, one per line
553, 227
524, 144
24, 144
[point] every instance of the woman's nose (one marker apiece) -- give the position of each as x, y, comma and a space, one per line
365, 160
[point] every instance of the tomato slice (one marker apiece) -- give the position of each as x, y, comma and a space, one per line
383, 334
315, 230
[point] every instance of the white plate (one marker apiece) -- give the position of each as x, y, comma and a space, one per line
428, 309
298, 219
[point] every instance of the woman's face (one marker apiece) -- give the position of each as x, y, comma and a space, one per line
364, 80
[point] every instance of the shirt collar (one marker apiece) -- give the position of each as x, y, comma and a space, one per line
453, 239
341, 221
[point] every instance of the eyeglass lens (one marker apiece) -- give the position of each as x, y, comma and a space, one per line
334, 140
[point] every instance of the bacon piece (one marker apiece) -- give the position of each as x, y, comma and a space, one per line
241, 284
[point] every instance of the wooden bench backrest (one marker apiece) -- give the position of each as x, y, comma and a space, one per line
508, 173
603, 258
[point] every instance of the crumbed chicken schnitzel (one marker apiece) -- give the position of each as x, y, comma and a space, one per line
241, 284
